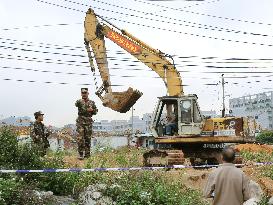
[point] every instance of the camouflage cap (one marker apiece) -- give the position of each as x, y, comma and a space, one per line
36, 114
83, 90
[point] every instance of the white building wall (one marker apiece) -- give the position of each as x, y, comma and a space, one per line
258, 106
120, 126
211, 113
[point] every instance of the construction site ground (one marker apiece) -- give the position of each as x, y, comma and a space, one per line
194, 178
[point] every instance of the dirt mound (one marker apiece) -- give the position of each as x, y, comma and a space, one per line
267, 185
73, 161
254, 148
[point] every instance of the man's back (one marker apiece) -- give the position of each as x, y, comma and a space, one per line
229, 185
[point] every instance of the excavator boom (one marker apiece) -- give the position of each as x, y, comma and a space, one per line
118, 101
95, 34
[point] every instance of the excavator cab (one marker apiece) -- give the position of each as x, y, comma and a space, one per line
184, 113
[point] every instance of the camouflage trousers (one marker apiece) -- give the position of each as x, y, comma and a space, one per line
84, 138
41, 146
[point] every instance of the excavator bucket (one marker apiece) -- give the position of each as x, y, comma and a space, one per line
123, 101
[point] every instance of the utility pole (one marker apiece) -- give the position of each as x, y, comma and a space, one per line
223, 88
130, 136
132, 120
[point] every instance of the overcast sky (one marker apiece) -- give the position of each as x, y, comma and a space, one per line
222, 29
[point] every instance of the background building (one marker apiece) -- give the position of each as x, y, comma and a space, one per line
258, 106
140, 125
211, 113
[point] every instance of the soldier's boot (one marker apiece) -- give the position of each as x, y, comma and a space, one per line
80, 141
87, 148
87, 152
80, 157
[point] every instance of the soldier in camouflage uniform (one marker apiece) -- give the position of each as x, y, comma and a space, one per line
39, 133
86, 109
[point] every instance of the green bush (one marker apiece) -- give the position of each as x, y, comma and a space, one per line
9, 191
263, 201
268, 171
265, 137
16, 192
17, 156
257, 156
150, 188
63, 183
8, 149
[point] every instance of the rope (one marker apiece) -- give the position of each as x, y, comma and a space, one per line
5, 171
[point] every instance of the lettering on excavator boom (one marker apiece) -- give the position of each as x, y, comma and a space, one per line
123, 42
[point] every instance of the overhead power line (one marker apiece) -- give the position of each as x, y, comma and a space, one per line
47, 61
203, 14
84, 64
199, 4
113, 85
86, 74
50, 59
48, 82
163, 19
63, 47
40, 26
46, 45
44, 71
170, 30
137, 61
196, 35
231, 72
41, 70
43, 52
63, 83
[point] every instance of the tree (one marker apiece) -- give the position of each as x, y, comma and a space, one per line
265, 137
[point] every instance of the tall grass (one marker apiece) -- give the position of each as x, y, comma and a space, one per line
138, 187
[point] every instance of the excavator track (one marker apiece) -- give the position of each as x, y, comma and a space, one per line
163, 158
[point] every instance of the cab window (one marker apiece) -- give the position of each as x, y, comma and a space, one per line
186, 111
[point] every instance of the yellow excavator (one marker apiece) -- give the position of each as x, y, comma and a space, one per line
189, 134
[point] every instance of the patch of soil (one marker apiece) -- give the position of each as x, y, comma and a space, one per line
254, 148
266, 183
73, 161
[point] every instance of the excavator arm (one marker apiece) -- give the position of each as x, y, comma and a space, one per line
94, 36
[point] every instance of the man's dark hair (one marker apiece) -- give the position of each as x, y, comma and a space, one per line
228, 154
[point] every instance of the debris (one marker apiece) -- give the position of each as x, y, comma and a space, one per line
255, 190
254, 148
252, 201
270, 202
92, 195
